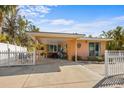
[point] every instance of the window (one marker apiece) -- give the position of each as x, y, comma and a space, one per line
59, 47
55, 48
52, 48
94, 49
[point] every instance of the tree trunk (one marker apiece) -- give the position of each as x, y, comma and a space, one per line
1, 19
0, 29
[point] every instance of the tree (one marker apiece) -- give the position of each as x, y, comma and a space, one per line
15, 27
90, 36
24, 24
3, 38
4, 10
33, 28
117, 36
11, 27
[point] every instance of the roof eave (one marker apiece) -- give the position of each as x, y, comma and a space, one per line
96, 39
64, 35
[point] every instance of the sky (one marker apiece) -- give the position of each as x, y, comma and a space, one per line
82, 19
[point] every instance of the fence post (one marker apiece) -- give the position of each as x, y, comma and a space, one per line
34, 57
106, 63
8, 56
8, 52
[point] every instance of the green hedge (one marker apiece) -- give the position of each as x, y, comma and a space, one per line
79, 58
89, 58
95, 58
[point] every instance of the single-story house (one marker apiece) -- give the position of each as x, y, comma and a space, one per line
59, 45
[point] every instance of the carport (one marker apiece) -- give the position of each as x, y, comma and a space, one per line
66, 39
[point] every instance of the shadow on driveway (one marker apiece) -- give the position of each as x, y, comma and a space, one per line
21, 70
33, 69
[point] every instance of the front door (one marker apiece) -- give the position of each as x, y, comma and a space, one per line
94, 49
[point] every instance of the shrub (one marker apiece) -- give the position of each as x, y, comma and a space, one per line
3, 38
79, 58
95, 58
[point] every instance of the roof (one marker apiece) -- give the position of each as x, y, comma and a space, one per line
65, 35
56, 35
95, 39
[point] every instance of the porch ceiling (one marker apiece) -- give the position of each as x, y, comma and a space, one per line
51, 40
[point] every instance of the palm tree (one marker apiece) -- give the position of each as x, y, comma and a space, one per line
4, 10
11, 26
33, 28
108, 34
16, 27
90, 36
117, 35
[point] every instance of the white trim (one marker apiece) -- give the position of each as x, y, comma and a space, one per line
95, 39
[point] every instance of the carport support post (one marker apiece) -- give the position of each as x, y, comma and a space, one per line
76, 50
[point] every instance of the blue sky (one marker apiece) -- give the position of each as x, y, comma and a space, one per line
89, 20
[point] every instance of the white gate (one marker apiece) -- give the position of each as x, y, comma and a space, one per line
114, 63
9, 58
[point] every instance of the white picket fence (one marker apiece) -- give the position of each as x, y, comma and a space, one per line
114, 63
10, 58
14, 48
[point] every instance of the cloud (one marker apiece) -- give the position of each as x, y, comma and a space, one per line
39, 9
93, 24
119, 18
61, 22
36, 14
94, 27
34, 11
43, 9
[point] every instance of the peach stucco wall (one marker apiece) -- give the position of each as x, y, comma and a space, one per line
71, 48
103, 48
83, 51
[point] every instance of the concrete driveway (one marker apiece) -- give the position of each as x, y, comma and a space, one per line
57, 74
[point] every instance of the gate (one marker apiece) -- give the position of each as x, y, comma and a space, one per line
114, 63
9, 58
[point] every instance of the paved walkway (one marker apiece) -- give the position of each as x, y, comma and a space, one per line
56, 74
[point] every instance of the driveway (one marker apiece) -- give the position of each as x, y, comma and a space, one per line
56, 74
